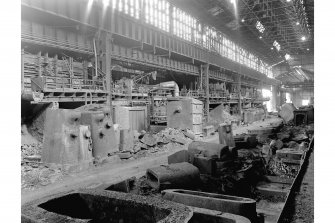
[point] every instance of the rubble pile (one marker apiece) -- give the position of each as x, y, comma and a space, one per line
30, 150
34, 173
289, 137
30, 147
278, 168
175, 135
165, 140
36, 127
297, 134
143, 188
239, 175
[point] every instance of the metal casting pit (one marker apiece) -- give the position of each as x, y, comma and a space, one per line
201, 215
230, 204
104, 206
124, 186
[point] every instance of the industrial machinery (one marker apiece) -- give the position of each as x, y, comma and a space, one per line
159, 94
66, 142
185, 113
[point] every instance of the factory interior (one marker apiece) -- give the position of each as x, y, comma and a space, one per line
167, 111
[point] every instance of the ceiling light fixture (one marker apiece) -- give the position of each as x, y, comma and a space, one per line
287, 56
233, 2
106, 2
260, 27
276, 44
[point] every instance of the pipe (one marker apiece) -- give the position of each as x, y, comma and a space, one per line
225, 203
206, 215
22, 71
95, 58
277, 63
170, 84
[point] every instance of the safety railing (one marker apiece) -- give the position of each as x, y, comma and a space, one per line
73, 84
53, 41
192, 93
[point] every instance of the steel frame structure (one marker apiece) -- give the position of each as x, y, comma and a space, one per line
279, 18
146, 46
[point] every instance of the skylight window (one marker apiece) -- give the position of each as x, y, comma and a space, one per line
260, 27
277, 45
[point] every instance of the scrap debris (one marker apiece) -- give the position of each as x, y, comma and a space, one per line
241, 175
164, 140
276, 167
237, 176
34, 173
30, 150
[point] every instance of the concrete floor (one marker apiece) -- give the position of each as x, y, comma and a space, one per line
106, 174
302, 208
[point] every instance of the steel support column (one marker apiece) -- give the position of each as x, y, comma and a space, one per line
205, 86
106, 62
22, 70
39, 64
239, 94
